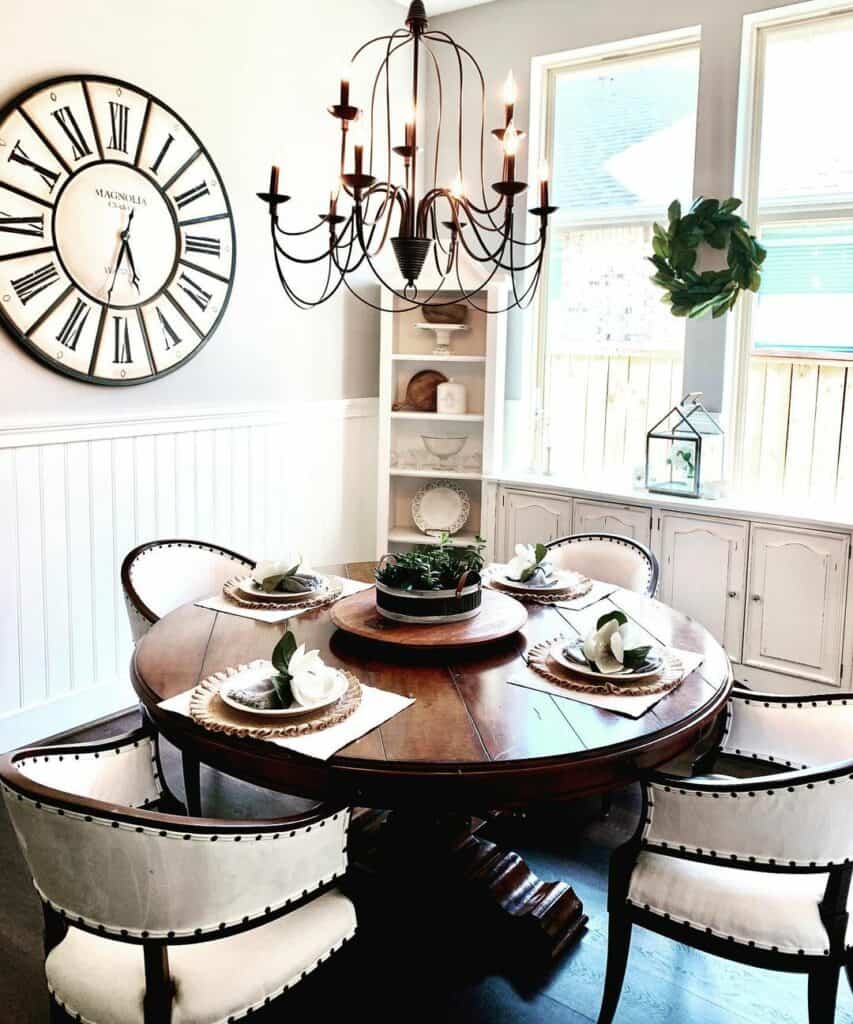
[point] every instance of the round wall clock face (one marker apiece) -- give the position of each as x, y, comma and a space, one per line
116, 235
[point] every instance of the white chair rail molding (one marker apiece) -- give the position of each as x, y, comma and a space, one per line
426, 468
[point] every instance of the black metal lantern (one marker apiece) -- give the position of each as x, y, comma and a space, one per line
684, 451
440, 225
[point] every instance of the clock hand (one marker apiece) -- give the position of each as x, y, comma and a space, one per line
124, 237
135, 279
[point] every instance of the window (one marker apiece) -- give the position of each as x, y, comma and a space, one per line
796, 410
620, 136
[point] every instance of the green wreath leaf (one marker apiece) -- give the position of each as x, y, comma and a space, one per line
674, 251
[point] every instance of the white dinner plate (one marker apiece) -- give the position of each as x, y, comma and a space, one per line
654, 663
257, 675
254, 592
562, 579
441, 506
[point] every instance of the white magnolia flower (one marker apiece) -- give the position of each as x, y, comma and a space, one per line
626, 638
525, 556
597, 646
311, 679
263, 570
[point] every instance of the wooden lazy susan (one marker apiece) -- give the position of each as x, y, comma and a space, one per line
500, 616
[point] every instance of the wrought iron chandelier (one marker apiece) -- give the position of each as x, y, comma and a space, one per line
444, 224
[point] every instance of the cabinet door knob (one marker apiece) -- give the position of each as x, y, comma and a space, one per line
756, 597
732, 593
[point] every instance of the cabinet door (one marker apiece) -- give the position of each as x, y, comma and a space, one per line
534, 518
602, 517
795, 610
703, 573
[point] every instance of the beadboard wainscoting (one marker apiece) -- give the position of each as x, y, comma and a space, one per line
75, 498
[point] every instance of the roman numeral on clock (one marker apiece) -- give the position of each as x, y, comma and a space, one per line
28, 286
204, 245
155, 167
191, 194
19, 156
65, 117
195, 291
118, 126
22, 225
121, 339
71, 330
170, 335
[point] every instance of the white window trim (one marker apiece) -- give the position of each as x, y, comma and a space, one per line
750, 101
543, 71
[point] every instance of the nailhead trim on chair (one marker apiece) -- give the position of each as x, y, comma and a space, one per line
249, 1009
774, 706
612, 538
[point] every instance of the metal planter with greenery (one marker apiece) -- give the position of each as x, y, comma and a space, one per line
431, 585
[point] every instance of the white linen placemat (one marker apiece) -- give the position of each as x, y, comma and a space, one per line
376, 707
632, 707
220, 603
599, 591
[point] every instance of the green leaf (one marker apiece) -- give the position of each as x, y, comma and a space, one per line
282, 652
635, 657
541, 551
660, 247
618, 616
730, 205
674, 211
283, 689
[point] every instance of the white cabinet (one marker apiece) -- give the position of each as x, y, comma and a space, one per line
605, 517
703, 573
532, 519
796, 602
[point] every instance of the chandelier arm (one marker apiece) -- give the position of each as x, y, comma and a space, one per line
298, 300
384, 67
443, 37
295, 234
440, 85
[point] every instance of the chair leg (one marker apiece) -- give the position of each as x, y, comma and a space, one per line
618, 947
823, 991
192, 783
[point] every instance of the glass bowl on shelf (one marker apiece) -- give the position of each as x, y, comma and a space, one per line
444, 448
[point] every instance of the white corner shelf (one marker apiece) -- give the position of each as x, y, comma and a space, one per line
405, 535
441, 417
426, 357
436, 474
479, 356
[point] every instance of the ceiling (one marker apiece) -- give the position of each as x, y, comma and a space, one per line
443, 6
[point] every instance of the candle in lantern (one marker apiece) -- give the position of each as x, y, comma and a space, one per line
333, 197
345, 88
510, 141
410, 127
358, 145
510, 96
543, 183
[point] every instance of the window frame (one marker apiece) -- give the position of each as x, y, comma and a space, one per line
757, 29
544, 72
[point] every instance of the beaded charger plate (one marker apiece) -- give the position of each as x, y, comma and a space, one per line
670, 676
582, 586
332, 590
210, 710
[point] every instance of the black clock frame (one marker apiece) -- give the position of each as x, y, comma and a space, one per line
23, 339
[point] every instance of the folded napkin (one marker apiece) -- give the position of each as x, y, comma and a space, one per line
376, 707
220, 603
630, 706
599, 591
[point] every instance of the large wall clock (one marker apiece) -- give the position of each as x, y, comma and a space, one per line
116, 235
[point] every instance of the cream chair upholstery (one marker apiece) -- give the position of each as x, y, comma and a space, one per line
608, 557
754, 869
154, 917
161, 575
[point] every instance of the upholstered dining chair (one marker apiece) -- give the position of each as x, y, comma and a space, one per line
752, 869
153, 918
158, 576
622, 561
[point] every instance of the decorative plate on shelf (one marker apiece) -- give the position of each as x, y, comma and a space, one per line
570, 655
441, 507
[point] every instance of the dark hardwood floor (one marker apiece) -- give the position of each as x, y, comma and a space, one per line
400, 971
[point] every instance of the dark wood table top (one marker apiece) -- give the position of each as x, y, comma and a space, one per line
470, 741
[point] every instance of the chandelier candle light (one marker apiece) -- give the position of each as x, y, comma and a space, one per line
442, 223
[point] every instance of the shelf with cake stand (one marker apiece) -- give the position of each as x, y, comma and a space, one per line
475, 357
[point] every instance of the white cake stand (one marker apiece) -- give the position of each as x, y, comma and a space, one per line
442, 336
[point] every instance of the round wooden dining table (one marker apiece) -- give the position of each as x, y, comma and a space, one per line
475, 742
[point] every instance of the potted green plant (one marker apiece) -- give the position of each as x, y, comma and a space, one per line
431, 584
